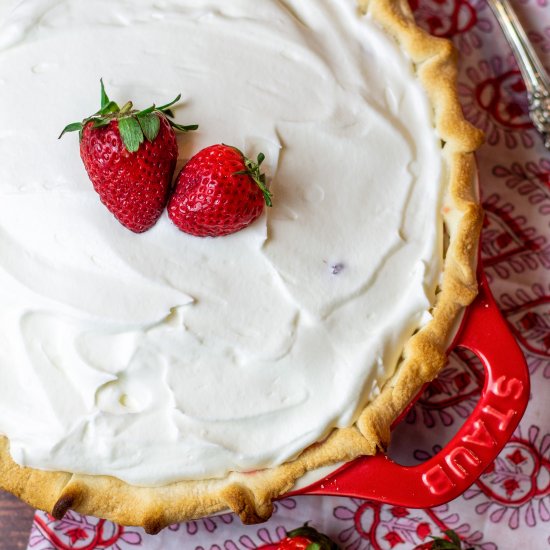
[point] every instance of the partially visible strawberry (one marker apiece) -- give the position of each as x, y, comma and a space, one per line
425, 546
130, 157
451, 542
303, 538
218, 192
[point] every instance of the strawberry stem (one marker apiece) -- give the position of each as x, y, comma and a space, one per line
452, 542
126, 108
253, 170
134, 126
256, 174
318, 541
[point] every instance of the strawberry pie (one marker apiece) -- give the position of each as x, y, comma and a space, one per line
156, 377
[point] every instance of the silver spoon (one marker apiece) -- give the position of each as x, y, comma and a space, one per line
532, 70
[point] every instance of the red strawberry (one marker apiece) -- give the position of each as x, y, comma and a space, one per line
451, 542
130, 157
297, 543
218, 192
303, 538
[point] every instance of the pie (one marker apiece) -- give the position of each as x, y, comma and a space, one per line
160, 377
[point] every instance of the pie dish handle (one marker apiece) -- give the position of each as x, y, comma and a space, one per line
449, 473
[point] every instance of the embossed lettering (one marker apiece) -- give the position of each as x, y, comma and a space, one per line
437, 481
508, 387
480, 436
458, 467
504, 418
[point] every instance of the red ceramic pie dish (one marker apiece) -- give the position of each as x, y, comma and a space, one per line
450, 472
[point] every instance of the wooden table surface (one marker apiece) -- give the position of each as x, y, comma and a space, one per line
15, 522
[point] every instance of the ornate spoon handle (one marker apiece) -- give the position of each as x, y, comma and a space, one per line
534, 74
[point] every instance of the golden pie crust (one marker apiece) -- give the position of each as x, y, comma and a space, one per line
250, 495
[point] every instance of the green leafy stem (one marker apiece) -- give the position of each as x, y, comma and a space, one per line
134, 126
318, 540
253, 170
452, 542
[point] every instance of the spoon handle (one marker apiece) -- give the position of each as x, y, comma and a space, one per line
534, 74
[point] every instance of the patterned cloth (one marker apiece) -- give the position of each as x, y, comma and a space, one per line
509, 506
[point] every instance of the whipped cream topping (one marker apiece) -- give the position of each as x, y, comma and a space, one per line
162, 356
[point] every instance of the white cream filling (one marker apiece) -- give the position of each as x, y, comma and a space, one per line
162, 356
